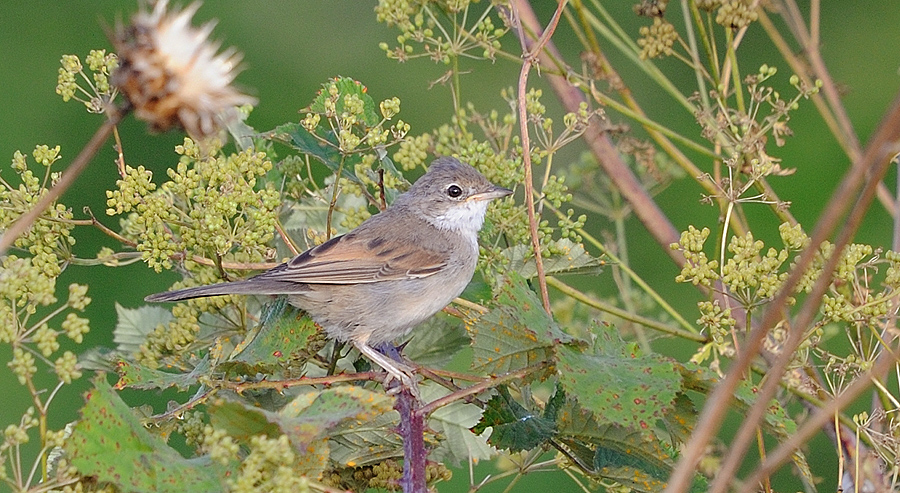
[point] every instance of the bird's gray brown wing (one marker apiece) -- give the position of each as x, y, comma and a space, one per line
351, 259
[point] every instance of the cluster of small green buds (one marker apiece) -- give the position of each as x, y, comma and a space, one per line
555, 191
750, 276
49, 239
716, 321
657, 40
269, 467
22, 365
352, 118
99, 92
389, 108
697, 268
568, 227
219, 445
737, 14
66, 367
413, 152
382, 476
211, 206
16, 435
708, 5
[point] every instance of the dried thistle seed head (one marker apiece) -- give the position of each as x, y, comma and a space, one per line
171, 74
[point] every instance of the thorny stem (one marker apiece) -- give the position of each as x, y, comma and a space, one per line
485, 384
412, 432
68, 177
530, 54
625, 314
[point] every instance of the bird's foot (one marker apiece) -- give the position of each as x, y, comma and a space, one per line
403, 374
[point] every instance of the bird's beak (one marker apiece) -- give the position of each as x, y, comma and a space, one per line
494, 192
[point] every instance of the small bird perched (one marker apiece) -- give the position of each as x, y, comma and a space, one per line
398, 268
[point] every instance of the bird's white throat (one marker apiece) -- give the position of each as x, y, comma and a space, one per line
466, 218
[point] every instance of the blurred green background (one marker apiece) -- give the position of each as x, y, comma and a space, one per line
291, 48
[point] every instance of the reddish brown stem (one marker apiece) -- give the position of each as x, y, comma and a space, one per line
530, 54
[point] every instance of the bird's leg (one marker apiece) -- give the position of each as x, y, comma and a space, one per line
403, 373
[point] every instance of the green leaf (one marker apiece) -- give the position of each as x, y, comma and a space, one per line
619, 383
363, 443
437, 341
680, 420
514, 427
283, 336
136, 376
609, 451
516, 332
453, 423
133, 325
645, 450
109, 442
573, 260
294, 135
310, 420
346, 87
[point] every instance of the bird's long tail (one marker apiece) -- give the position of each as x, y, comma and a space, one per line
249, 286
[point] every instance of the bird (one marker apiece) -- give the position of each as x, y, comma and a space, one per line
399, 267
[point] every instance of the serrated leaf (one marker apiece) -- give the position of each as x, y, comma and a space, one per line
310, 420
609, 451
109, 442
294, 135
133, 325
436, 341
282, 336
514, 427
454, 422
680, 420
646, 452
516, 332
362, 443
136, 376
573, 259
346, 87
617, 382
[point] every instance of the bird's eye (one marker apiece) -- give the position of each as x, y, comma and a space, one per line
454, 191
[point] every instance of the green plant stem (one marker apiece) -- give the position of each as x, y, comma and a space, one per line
735, 70
620, 39
632, 190
639, 281
624, 314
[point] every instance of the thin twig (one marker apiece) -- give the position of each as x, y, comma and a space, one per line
645, 208
279, 385
477, 388
530, 55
